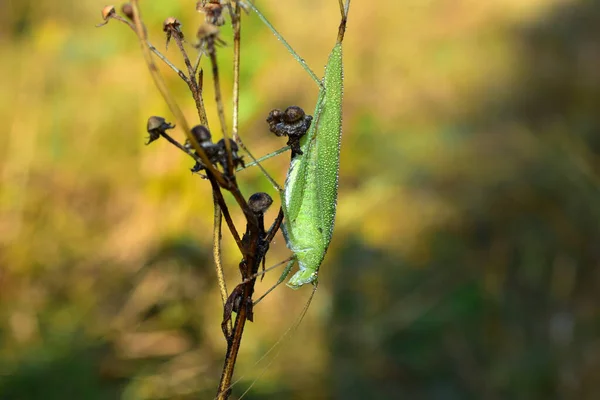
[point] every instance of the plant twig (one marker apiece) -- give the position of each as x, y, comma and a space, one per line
160, 55
164, 91
218, 217
241, 298
236, 21
212, 54
254, 244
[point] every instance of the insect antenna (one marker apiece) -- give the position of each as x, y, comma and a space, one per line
284, 274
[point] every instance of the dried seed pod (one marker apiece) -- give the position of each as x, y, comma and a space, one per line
235, 157
207, 30
233, 145
293, 123
127, 10
208, 35
202, 134
213, 11
275, 117
154, 123
293, 114
157, 126
171, 23
107, 13
204, 139
259, 202
172, 27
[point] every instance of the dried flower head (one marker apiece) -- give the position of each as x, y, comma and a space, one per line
107, 13
293, 123
235, 157
259, 202
157, 126
127, 10
202, 134
204, 139
172, 27
208, 35
213, 11
207, 30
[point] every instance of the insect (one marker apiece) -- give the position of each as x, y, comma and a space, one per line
309, 196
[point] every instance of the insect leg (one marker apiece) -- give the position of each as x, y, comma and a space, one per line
286, 44
284, 275
263, 158
259, 160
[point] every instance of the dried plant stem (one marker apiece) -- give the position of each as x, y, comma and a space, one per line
237, 29
186, 58
197, 64
164, 91
234, 339
212, 53
229, 183
192, 82
180, 146
218, 217
236, 21
248, 267
255, 242
166, 61
154, 49
224, 210
233, 347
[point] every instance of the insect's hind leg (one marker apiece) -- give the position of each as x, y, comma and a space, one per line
236, 20
257, 162
284, 274
263, 158
285, 43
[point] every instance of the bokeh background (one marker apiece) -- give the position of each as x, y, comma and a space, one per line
465, 260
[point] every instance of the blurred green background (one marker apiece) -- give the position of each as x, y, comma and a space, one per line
465, 259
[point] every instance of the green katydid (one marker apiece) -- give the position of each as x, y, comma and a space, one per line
309, 196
